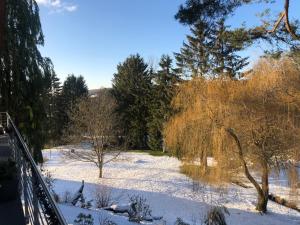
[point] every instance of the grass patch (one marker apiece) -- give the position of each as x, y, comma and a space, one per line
211, 176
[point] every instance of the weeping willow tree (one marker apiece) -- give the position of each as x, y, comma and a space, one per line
249, 125
24, 73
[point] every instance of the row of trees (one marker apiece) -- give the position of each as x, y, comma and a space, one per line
248, 124
143, 99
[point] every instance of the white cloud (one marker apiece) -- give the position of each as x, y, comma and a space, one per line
58, 5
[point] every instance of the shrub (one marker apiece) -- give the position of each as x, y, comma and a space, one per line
216, 216
102, 196
105, 221
67, 197
140, 210
83, 219
85, 204
179, 221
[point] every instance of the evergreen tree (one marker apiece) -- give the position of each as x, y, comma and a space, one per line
212, 51
209, 11
52, 106
165, 81
73, 89
225, 44
132, 89
193, 59
23, 82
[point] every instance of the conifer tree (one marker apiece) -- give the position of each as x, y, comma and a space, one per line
212, 51
73, 89
22, 71
165, 81
132, 89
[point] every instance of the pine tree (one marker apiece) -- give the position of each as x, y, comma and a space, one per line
212, 52
22, 71
74, 88
132, 88
165, 81
193, 59
52, 106
225, 46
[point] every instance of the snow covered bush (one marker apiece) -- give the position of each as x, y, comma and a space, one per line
105, 221
216, 216
85, 204
67, 197
49, 180
84, 219
179, 221
140, 210
102, 196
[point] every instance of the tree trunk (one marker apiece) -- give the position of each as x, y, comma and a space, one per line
203, 162
261, 191
100, 171
263, 196
100, 160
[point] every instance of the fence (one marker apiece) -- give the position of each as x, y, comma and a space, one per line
38, 204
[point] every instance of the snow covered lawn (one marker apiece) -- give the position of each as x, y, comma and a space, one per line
169, 193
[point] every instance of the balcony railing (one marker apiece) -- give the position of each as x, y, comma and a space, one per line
39, 206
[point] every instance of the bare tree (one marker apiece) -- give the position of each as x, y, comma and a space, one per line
93, 120
249, 125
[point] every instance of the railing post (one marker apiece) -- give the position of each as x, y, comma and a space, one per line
35, 200
25, 191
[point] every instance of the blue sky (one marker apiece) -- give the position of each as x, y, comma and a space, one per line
90, 37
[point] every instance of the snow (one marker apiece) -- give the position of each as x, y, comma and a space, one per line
169, 193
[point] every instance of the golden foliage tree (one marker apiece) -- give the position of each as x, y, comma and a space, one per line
248, 125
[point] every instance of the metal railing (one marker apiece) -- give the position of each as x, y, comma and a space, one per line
39, 207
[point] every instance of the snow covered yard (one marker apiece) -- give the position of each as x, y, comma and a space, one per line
169, 193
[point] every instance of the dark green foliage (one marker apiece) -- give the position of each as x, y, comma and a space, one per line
132, 89
74, 88
212, 52
195, 11
23, 73
83, 219
165, 81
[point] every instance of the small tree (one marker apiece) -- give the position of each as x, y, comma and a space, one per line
93, 120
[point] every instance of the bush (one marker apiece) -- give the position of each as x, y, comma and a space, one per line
83, 219
140, 210
67, 197
216, 216
105, 221
102, 196
179, 221
85, 204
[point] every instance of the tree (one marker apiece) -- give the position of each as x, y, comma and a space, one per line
74, 88
213, 51
165, 81
212, 11
93, 120
23, 85
2, 24
52, 106
132, 89
249, 125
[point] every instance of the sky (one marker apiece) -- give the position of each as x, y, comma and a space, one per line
91, 37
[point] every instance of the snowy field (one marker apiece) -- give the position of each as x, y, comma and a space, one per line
169, 193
